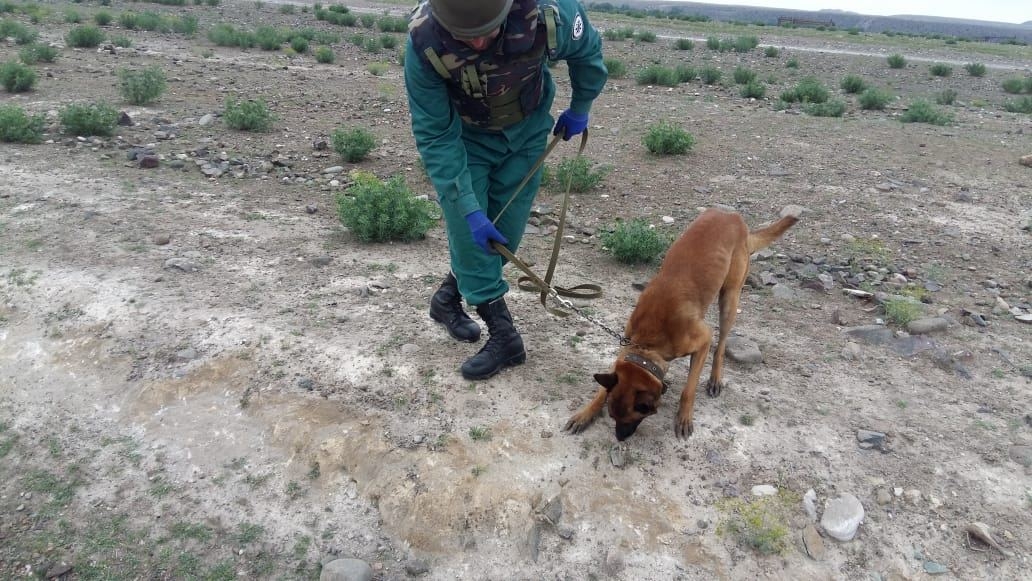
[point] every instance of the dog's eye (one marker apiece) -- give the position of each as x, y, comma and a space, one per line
642, 408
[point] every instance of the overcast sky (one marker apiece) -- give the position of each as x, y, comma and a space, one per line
1014, 11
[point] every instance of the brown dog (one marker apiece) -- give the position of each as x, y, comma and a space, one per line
710, 259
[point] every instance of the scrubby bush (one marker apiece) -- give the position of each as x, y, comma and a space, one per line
657, 75
268, 38
946, 97
299, 44
771, 52
875, 99
808, 90
324, 55
576, 173
901, 311
921, 111
378, 211
975, 69
1017, 85
103, 18
665, 138
635, 242
710, 75
377, 69
122, 41
37, 53
940, 70
388, 41
250, 115
832, 108
792, 63
753, 90
16, 77
143, 86
616, 67
17, 127
746, 43
1022, 105
853, 84
89, 119
744, 76
353, 144
19, 32
896, 61
87, 36
685, 73
684, 44
645, 36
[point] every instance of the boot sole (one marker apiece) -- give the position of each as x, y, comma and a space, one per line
453, 335
512, 362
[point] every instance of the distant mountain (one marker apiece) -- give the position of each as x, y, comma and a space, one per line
908, 24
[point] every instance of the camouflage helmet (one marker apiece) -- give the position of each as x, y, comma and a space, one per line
470, 18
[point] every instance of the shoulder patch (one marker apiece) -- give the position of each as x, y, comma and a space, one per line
578, 27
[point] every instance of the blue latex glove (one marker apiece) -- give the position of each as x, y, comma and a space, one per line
570, 123
484, 231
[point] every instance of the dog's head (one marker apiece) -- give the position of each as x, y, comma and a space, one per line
633, 396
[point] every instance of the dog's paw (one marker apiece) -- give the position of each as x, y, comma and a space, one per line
713, 388
578, 423
683, 427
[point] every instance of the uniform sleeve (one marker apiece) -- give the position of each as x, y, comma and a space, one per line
580, 45
438, 133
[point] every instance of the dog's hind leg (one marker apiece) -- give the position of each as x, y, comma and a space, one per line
700, 337
729, 296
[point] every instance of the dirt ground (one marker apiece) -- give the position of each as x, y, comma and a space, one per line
210, 378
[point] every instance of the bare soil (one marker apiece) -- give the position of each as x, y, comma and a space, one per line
210, 378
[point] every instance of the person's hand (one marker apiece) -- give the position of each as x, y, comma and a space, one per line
484, 232
570, 123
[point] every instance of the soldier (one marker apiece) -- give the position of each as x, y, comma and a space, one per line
480, 96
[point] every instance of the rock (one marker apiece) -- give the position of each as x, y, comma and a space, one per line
912, 495
1026, 160
1023, 318
883, 497
875, 334
813, 543
58, 570
182, 264
306, 383
333, 170
783, 292
618, 456
933, 568
346, 570
614, 562
1021, 454
149, 161
187, 354
311, 208
927, 325
874, 439
764, 490
416, 567
852, 352
206, 119
810, 504
743, 351
322, 260
125, 120
842, 517
162, 239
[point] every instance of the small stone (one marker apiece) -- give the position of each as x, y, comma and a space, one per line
814, 543
764, 490
927, 326
206, 119
311, 208
842, 517
875, 439
618, 456
323, 260
416, 567
1026, 160
58, 570
933, 568
346, 570
810, 504
1021, 454
913, 496
125, 120
162, 239
743, 351
883, 497
306, 384
149, 161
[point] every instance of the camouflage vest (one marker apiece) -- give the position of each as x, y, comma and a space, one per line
501, 86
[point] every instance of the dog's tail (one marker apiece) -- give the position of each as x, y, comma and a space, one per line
764, 237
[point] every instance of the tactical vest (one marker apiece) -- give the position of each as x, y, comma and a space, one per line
501, 86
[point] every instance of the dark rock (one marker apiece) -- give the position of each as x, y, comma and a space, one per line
125, 120
149, 161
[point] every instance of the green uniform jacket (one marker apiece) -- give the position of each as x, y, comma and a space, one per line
439, 132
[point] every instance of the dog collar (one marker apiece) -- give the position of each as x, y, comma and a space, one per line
645, 364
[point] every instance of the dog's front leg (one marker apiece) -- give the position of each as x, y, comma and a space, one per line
683, 426
588, 413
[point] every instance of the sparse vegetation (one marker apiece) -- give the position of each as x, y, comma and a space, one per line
874, 99
853, 84
808, 90
831, 108
38, 53
940, 70
896, 61
18, 127
84, 37
665, 138
771, 52
616, 67
353, 144
921, 111
759, 523
16, 77
744, 76
382, 211
479, 433
635, 242
946, 97
1022, 105
902, 310
684, 44
324, 55
753, 90
975, 69
89, 119
710, 75
143, 86
576, 173
658, 75
250, 115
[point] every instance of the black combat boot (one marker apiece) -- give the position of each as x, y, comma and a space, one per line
504, 347
446, 308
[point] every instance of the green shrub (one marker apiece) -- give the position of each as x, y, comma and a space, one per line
142, 86
665, 138
72, 16
896, 61
760, 524
901, 311
299, 44
371, 45
250, 115
1022, 105
388, 41
753, 90
744, 76
577, 174
17, 127
771, 52
16, 77
874, 99
832, 108
268, 38
226, 35
37, 53
635, 242
87, 36
1016, 85
353, 144
646, 36
685, 73
377, 211
940, 70
746, 43
808, 90
853, 84
975, 69
712, 43
792, 63
286, 9
684, 44
22, 34
657, 75
392, 24
89, 119
122, 41
946, 97
103, 18
616, 67
921, 111
710, 75
324, 55
377, 69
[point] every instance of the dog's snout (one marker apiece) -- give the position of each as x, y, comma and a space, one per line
624, 431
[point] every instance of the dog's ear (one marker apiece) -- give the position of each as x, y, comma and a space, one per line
644, 403
606, 380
